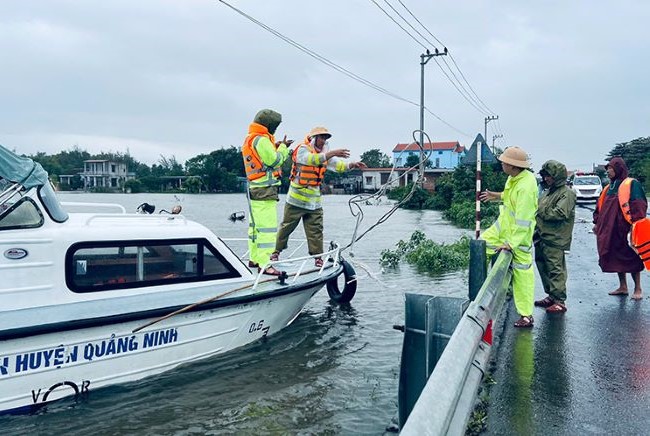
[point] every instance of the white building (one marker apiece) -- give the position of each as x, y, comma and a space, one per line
104, 174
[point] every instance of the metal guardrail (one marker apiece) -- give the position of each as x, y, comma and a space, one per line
447, 400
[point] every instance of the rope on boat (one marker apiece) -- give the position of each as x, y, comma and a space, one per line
211, 299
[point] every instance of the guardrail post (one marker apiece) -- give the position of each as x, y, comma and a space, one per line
428, 324
445, 403
477, 267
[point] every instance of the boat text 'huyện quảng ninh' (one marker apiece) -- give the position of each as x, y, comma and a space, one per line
95, 299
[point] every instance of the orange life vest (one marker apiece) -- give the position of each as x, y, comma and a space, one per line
255, 168
307, 175
640, 233
623, 198
640, 239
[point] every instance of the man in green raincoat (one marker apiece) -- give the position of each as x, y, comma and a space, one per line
513, 229
555, 217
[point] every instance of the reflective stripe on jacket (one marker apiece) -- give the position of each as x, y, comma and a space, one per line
262, 159
307, 161
312, 172
516, 221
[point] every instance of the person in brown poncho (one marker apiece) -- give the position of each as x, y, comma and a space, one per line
612, 228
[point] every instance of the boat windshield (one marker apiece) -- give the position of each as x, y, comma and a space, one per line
51, 203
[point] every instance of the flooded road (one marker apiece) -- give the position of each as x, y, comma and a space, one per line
333, 371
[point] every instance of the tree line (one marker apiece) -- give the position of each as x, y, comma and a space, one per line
222, 169
218, 171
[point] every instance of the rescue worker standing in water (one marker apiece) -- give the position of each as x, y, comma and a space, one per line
263, 159
513, 229
555, 217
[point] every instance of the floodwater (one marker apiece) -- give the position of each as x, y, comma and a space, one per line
333, 371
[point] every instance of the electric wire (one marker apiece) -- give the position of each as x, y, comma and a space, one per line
335, 66
398, 24
464, 93
358, 200
450, 56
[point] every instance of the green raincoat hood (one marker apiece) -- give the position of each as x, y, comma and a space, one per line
555, 169
269, 119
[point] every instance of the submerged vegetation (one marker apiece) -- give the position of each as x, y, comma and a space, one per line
428, 255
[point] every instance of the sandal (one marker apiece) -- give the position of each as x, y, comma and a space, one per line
270, 271
556, 308
318, 262
524, 321
545, 302
275, 256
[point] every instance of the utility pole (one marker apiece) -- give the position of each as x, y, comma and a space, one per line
487, 120
494, 138
424, 58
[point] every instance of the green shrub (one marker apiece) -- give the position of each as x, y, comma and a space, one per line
428, 255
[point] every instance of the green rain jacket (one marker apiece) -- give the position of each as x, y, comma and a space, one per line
556, 210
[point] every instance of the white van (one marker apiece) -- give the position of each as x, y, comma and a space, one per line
586, 186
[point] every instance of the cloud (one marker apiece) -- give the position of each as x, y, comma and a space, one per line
182, 77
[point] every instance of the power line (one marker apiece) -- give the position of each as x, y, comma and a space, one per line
400, 26
464, 93
450, 55
335, 66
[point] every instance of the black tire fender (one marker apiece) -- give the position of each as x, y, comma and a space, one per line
350, 287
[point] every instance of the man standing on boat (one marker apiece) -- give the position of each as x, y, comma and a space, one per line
513, 229
311, 160
263, 159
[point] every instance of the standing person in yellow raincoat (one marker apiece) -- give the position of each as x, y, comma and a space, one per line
513, 229
263, 159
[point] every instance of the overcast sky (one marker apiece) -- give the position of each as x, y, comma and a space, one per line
568, 79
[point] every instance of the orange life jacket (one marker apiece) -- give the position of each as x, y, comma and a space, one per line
640, 233
307, 175
623, 198
255, 168
640, 239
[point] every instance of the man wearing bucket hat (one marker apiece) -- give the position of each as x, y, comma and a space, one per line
263, 159
311, 160
513, 229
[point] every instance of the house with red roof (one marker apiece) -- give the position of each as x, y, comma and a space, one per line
445, 155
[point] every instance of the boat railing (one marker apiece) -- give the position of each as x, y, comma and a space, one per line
104, 205
332, 258
159, 217
9, 192
300, 243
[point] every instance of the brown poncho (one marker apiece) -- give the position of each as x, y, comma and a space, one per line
614, 252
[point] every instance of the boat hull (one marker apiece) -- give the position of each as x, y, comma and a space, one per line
39, 369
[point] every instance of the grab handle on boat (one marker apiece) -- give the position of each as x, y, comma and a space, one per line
75, 203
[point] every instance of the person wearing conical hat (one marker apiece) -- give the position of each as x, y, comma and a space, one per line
311, 160
263, 158
513, 229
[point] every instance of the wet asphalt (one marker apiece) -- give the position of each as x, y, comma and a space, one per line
585, 372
